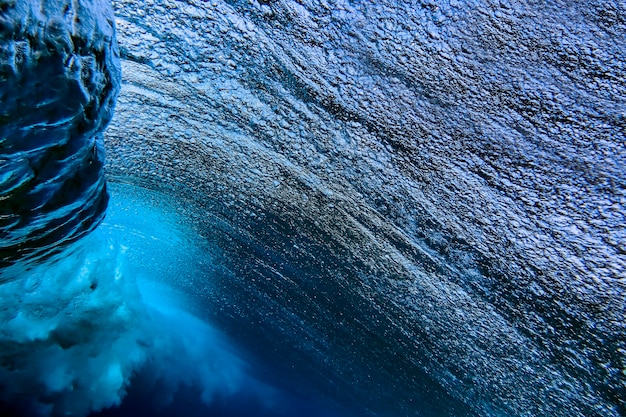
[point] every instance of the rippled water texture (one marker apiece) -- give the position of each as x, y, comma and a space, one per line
400, 209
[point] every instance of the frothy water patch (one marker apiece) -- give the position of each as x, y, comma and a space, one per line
104, 323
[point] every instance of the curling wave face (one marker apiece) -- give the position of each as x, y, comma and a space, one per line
425, 199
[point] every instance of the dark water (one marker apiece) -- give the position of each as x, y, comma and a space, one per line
143, 399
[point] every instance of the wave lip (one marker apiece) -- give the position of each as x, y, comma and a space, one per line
59, 79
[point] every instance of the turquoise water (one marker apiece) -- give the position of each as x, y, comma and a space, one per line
115, 323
